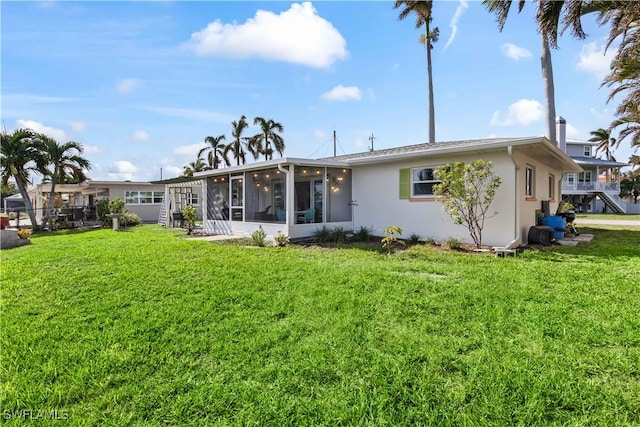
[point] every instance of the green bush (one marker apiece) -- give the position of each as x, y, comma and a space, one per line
259, 237
452, 243
323, 235
414, 239
362, 235
116, 206
340, 235
102, 209
130, 219
190, 215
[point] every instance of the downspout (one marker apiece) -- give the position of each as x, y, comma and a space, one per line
516, 240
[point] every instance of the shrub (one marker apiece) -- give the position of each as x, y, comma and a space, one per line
189, 215
414, 239
390, 241
431, 241
259, 237
339, 235
24, 233
452, 243
281, 239
323, 235
102, 209
116, 206
362, 235
131, 219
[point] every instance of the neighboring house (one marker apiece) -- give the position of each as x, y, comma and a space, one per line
141, 198
379, 188
13, 203
597, 188
181, 191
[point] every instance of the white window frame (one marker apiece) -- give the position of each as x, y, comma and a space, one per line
424, 181
552, 187
136, 197
530, 181
193, 199
586, 150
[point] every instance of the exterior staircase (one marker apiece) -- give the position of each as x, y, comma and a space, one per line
613, 202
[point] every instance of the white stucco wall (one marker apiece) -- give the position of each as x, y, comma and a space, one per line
376, 191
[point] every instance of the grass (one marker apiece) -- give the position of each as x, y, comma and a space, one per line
609, 216
145, 327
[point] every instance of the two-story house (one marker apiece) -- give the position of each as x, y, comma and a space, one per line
597, 188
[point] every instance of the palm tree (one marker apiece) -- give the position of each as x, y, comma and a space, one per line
604, 140
239, 142
260, 143
624, 18
60, 160
549, 16
216, 151
422, 9
198, 166
18, 157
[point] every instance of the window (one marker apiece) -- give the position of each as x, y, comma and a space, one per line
422, 182
571, 180
143, 197
584, 177
586, 150
192, 199
552, 187
530, 180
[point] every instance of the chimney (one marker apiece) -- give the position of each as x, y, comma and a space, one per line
561, 133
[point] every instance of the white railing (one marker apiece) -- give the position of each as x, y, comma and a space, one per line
609, 187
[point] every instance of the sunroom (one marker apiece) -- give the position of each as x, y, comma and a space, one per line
293, 196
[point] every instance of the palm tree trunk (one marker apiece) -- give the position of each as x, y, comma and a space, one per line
52, 196
432, 120
27, 202
547, 76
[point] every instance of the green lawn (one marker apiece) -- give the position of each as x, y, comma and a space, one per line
145, 327
609, 216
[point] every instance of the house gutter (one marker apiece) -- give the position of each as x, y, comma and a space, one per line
516, 240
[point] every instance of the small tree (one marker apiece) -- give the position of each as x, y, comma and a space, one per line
390, 241
466, 191
190, 215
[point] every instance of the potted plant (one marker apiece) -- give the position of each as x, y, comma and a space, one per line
4, 221
116, 211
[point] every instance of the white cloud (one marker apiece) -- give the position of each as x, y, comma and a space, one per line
192, 114
593, 59
572, 131
454, 22
127, 85
297, 35
343, 93
78, 126
92, 149
55, 133
189, 150
514, 52
139, 135
520, 113
121, 170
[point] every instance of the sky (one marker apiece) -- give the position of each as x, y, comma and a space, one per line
141, 84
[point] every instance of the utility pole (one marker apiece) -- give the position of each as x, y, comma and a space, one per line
371, 138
